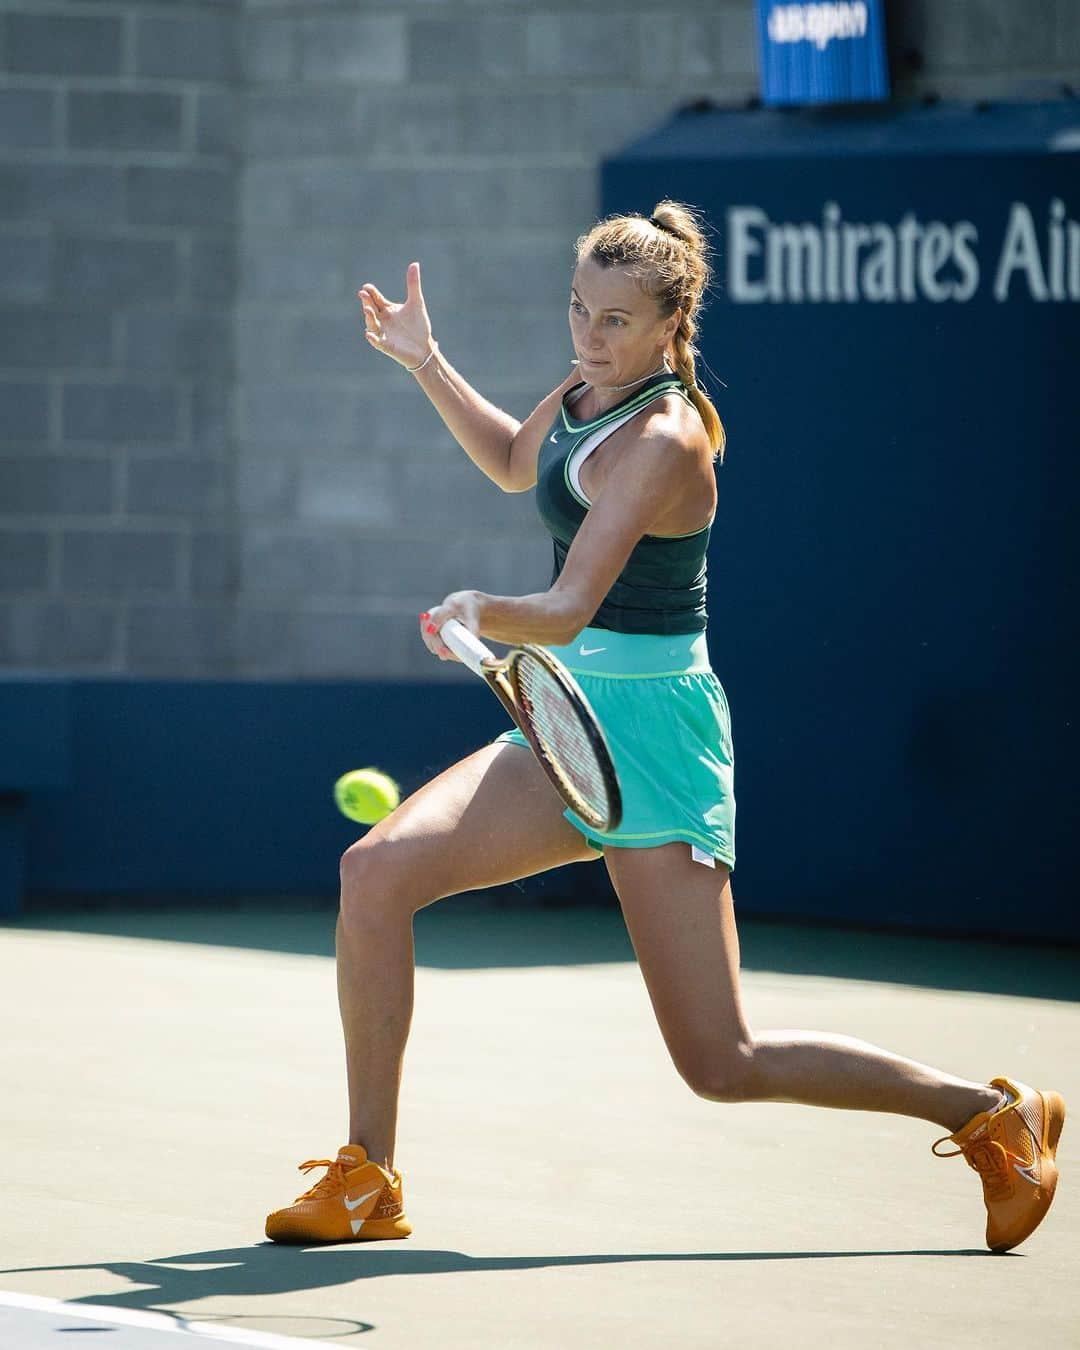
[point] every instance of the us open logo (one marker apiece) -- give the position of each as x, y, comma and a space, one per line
819, 24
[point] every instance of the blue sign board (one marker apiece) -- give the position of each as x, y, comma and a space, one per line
895, 317
822, 53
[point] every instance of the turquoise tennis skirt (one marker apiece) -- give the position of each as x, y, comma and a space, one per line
667, 723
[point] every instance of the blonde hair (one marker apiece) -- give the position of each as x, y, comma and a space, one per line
669, 256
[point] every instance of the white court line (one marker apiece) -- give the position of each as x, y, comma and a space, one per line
151, 1321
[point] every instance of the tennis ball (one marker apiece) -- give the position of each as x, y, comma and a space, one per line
366, 795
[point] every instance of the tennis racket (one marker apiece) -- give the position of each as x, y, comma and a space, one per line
554, 716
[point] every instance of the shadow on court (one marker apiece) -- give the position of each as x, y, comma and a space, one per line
484, 930
269, 1269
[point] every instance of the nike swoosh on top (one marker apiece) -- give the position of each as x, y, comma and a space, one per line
590, 651
355, 1204
553, 437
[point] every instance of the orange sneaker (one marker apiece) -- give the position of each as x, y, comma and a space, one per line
357, 1201
1013, 1149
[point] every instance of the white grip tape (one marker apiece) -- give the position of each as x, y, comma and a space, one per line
466, 646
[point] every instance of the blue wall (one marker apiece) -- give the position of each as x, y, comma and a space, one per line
217, 786
892, 581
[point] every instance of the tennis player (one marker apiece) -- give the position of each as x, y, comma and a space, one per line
622, 456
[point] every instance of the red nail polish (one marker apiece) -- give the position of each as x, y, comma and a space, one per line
425, 615
431, 628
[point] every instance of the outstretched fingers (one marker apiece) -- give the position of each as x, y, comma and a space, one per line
373, 329
371, 293
398, 329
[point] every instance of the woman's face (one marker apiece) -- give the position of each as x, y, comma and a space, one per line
618, 331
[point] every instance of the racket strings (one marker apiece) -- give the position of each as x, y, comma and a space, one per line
558, 728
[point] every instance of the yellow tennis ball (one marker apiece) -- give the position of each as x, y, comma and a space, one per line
366, 795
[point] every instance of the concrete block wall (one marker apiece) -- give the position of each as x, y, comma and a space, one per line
119, 206
984, 49
204, 470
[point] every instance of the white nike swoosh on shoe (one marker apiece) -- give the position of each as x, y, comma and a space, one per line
355, 1204
1028, 1173
590, 651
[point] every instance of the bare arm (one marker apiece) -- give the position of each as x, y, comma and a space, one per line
655, 473
498, 444
505, 449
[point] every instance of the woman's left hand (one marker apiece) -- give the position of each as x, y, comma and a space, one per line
461, 605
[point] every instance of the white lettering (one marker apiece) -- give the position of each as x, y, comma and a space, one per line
742, 247
1020, 252
879, 271
937, 246
818, 23
833, 260
854, 238
908, 234
1056, 266
793, 263
964, 237
832, 252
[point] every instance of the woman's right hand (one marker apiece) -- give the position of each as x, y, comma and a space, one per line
403, 331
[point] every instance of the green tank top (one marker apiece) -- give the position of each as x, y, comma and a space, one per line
662, 587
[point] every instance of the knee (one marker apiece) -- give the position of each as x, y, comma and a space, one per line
371, 886
721, 1075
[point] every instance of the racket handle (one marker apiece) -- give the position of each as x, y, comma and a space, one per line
466, 646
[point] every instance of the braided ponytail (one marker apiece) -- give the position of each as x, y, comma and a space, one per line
684, 355
670, 251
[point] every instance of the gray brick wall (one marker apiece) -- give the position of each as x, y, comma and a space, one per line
119, 209
985, 48
203, 468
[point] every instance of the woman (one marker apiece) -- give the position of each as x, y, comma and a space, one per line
622, 457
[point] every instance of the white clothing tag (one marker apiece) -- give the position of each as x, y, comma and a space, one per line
699, 855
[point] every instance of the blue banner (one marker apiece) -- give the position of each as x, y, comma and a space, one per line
892, 573
822, 53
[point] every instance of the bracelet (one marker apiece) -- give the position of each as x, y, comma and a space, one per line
413, 369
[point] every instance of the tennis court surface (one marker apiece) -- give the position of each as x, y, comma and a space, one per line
167, 1069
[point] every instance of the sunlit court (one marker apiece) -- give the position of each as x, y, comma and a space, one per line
568, 1187
538, 670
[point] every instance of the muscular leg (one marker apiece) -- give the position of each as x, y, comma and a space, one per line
682, 924
489, 819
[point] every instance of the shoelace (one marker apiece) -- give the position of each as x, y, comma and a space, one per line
331, 1184
987, 1157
